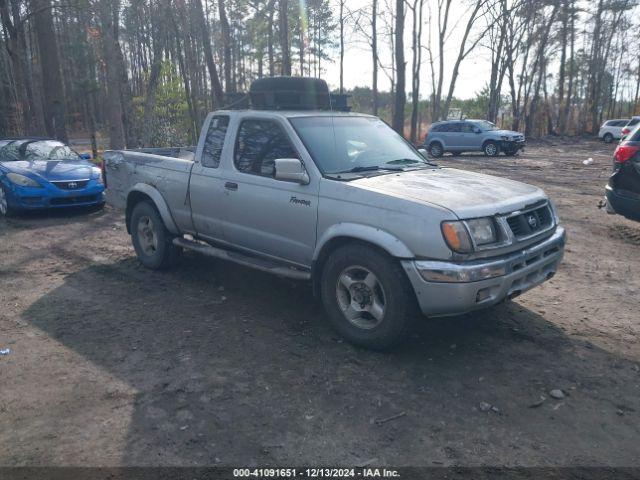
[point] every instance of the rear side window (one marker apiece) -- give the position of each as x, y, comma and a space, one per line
259, 144
215, 141
454, 127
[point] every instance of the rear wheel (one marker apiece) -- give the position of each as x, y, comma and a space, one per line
608, 138
368, 297
151, 239
5, 208
491, 149
436, 150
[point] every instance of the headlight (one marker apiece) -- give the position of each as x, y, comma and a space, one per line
457, 237
483, 230
22, 181
100, 179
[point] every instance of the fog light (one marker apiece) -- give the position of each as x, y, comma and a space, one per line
483, 295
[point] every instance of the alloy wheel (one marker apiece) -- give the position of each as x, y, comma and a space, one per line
491, 149
147, 236
361, 297
4, 206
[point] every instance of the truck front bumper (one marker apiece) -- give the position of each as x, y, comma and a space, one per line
511, 145
479, 284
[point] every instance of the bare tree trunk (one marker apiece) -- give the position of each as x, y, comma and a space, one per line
462, 53
416, 47
400, 94
270, 53
154, 76
284, 37
374, 54
567, 105
226, 42
342, 46
32, 116
443, 24
114, 100
54, 101
216, 87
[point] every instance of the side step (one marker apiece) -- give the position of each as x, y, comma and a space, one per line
262, 264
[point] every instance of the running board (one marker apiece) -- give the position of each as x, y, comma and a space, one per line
264, 265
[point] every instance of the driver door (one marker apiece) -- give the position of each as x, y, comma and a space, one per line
272, 217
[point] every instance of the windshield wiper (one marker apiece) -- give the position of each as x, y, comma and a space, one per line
371, 168
402, 160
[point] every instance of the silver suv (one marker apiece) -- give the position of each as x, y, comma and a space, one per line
472, 136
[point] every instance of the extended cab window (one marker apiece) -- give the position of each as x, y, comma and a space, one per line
259, 144
215, 141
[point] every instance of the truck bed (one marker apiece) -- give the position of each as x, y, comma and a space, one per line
165, 169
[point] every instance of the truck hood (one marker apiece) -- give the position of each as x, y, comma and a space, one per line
466, 194
54, 169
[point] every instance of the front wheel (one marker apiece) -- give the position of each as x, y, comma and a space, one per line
491, 149
436, 150
368, 297
5, 208
151, 239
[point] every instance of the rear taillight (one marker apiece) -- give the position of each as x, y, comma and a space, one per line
624, 153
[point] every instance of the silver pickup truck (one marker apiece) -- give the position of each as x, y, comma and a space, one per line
341, 200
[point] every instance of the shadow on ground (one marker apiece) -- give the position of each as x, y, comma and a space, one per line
232, 366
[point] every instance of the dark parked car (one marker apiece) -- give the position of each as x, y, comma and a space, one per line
472, 136
39, 173
623, 190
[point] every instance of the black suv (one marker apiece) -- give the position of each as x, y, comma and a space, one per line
623, 190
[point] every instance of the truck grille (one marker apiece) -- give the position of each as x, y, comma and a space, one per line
71, 184
531, 222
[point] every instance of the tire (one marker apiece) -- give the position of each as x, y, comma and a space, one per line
491, 149
151, 239
347, 278
5, 209
608, 138
436, 150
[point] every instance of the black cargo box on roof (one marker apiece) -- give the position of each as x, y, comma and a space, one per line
289, 93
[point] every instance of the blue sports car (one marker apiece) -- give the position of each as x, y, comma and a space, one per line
38, 173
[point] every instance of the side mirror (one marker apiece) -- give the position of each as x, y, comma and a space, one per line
291, 170
477, 131
85, 156
423, 152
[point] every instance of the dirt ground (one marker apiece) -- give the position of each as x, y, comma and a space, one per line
215, 364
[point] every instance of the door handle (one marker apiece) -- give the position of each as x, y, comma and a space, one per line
231, 186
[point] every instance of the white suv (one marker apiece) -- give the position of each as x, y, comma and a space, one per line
612, 130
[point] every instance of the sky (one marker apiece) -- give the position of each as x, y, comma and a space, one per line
474, 72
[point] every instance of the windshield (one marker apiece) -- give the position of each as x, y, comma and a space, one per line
486, 126
353, 144
31, 150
